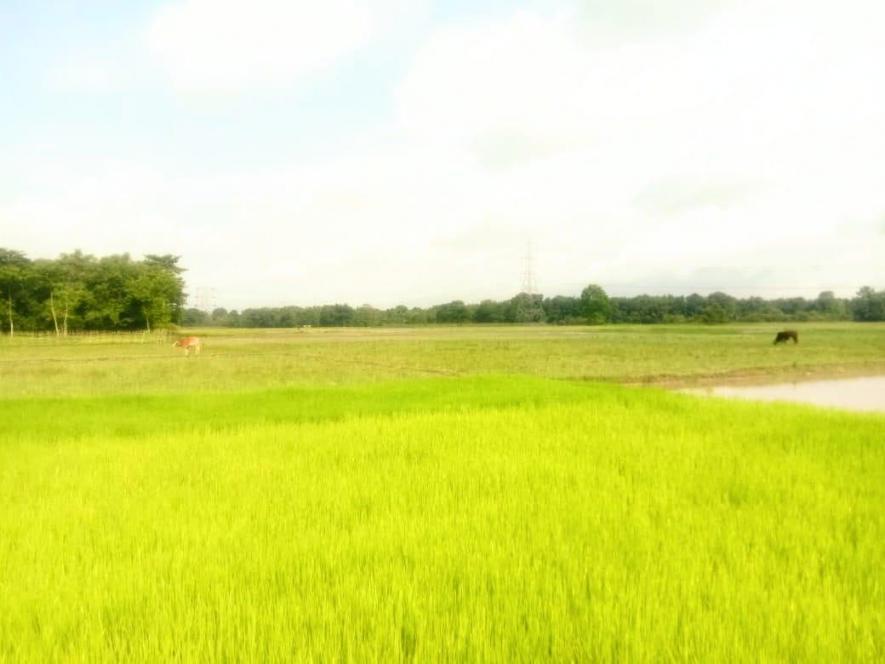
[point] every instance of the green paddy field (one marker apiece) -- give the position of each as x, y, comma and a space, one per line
500, 494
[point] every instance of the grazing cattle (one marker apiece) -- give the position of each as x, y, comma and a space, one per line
189, 343
786, 335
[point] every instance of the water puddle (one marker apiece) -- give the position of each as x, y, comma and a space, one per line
863, 394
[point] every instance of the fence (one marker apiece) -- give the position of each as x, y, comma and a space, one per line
92, 337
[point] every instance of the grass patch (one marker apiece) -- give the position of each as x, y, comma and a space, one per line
48, 419
259, 359
477, 519
437, 494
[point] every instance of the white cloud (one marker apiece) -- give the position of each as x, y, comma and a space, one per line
742, 152
85, 75
235, 45
760, 132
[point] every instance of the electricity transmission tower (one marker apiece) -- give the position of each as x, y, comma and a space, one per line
204, 298
528, 273
530, 310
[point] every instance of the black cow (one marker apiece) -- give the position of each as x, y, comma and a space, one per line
786, 335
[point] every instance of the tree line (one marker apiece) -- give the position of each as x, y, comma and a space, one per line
593, 306
77, 292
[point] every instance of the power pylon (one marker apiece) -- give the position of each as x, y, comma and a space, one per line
204, 298
528, 273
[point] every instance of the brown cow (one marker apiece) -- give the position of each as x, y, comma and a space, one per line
786, 335
189, 343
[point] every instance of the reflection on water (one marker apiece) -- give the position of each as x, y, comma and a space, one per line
865, 394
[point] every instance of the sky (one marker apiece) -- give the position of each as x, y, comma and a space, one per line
415, 151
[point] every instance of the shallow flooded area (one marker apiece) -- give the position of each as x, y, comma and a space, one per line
863, 394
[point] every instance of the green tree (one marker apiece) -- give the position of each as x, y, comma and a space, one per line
418, 316
868, 305
366, 316
563, 309
15, 270
398, 315
158, 290
719, 308
595, 305
192, 317
694, 306
336, 315
48, 276
524, 308
71, 290
452, 312
220, 316
829, 306
489, 311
